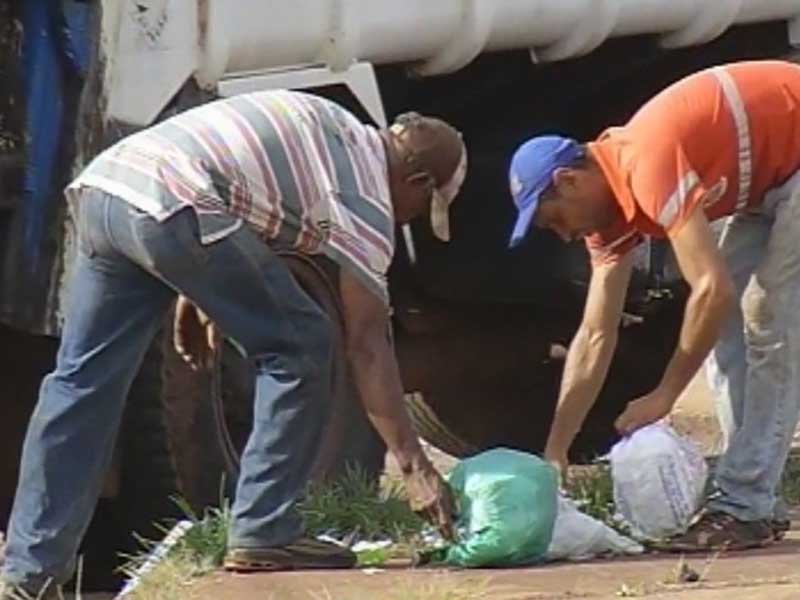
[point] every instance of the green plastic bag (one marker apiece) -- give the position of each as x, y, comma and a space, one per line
508, 501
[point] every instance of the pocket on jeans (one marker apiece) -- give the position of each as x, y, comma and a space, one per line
187, 232
173, 243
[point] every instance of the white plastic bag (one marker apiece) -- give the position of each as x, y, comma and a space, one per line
659, 480
577, 536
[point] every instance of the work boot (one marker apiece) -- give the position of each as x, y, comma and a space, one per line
713, 531
780, 527
305, 553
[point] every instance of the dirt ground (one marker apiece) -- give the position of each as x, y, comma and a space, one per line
770, 574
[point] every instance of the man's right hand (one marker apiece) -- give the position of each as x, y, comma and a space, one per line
430, 496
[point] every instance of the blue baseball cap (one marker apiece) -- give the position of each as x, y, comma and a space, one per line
531, 173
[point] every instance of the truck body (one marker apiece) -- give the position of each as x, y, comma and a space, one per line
479, 330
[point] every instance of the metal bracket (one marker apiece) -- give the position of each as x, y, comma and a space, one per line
359, 78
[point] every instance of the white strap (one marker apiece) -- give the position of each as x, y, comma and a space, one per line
677, 199
736, 105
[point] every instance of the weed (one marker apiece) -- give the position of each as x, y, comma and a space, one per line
170, 579
791, 479
682, 573
355, 505
632, 590
593, 491
206, 542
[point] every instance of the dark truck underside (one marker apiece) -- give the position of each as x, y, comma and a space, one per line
479, 330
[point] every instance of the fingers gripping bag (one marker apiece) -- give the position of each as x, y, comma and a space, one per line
659, 480
508, 504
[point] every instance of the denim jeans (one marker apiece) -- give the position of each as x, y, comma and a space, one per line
128, 271
754, 371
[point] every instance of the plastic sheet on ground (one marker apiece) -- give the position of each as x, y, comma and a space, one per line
578, 536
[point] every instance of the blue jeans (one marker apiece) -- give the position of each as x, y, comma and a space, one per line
128, 271
754, 370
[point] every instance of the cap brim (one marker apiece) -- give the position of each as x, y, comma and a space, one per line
523, 224
440, 218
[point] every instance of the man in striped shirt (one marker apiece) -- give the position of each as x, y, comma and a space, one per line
194, 207
724, 142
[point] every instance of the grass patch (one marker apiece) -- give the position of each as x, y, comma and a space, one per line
791, 479
171, 579
356, 506
593, 491
352, 507
199, 551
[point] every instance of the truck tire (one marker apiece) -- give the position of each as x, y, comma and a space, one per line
348, 439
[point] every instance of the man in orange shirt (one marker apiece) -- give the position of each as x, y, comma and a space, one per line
724, 142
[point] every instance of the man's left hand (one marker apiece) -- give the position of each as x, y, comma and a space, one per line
196, 338
645, 410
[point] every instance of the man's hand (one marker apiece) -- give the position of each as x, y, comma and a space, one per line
589, 357
195, 337
431, 497
375, 370
648, 409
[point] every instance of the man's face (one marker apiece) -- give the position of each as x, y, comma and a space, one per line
579, 203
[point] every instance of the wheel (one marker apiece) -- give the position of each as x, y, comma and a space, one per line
348, 437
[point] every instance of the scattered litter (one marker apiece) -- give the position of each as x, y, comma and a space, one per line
508, 502
332, 539
156, 556
577, 536
659, 479
372, 571
373, 554
371, 546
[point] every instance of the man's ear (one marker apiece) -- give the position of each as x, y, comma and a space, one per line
421, 179
565, 178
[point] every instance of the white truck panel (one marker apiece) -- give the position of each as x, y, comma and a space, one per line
159, 43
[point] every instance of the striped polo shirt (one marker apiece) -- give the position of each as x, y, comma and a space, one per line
300, 170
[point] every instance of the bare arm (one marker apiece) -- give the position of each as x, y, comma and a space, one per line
378, 379
375, 369
589, 355
709, 303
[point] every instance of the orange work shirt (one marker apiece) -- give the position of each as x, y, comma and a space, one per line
720, 138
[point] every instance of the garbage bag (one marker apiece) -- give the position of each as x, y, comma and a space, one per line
577, 536
659, 479
507, 503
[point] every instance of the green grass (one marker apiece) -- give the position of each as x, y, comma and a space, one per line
352, 507
593, 491
791, 479
356, 506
